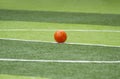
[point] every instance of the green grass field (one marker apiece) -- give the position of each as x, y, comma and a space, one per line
26, 32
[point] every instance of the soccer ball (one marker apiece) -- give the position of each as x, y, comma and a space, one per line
60, 36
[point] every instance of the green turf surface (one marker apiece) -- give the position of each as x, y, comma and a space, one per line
51, 26
74, 37
39, 50
4, 76
55, 15
61, 70
34, 50
60, 17
87, 6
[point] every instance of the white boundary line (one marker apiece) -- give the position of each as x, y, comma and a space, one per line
59, 43
47, 30
60, 61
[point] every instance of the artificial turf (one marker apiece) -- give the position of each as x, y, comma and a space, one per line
60, 17
55, 15
107, 38
39, 50
53, 26
6, 76
60, 70
87, 6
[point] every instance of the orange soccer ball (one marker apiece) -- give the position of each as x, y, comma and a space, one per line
60, 36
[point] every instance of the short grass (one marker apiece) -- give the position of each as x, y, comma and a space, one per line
4, 76
39, 50
44, 25
93, 6
74, 37
33, 50
108, 38
60, 17
56, 15
60, 70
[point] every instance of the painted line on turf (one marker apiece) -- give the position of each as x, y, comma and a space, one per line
59, 61
45, 30
59, 43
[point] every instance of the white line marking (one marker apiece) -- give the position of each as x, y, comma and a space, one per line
57, 43
73, 30
59, 61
